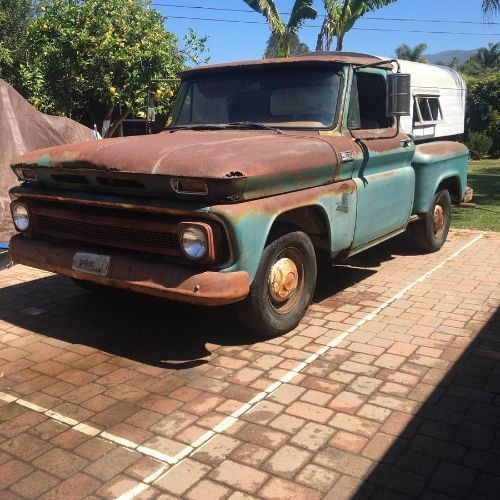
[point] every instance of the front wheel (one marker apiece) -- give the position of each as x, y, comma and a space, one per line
283, 286
431, 231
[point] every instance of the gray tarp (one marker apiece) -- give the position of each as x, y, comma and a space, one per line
23, 129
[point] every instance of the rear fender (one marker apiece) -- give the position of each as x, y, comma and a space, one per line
438, 164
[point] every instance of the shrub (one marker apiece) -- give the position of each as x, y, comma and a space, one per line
482, 113
493, 131
479, 144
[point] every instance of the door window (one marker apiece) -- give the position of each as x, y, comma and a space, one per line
367, 107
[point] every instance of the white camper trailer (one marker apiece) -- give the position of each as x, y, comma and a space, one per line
438, 101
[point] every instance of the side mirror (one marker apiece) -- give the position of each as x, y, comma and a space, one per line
398, 94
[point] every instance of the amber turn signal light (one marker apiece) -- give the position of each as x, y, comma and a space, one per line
189, 186
25, 174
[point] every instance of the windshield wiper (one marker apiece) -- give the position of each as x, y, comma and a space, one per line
222, 126
204, 126
253, 125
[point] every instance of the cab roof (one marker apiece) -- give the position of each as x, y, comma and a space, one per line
354, 58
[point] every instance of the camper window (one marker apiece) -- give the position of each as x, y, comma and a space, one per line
426, 110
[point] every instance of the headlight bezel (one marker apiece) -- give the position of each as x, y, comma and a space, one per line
18, 228
213, 236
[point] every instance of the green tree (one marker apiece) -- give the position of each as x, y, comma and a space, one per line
408, 53
490, 7
482, 110
485, 62
453, 63
341, 15
296, 46
14, 19
283, 35
95, 60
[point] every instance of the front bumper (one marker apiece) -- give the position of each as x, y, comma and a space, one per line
134, 273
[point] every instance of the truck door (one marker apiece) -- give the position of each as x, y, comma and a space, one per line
382, 171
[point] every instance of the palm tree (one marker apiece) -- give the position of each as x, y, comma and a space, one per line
296, 46
408, 53
284, 35
490, 7
340, 18
485, 61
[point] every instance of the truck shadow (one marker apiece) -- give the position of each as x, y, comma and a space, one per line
336, 277
449, 447
151, 330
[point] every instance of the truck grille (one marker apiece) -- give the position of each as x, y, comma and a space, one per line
107, 232
139, 231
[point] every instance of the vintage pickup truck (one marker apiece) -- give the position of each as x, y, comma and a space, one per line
264, 165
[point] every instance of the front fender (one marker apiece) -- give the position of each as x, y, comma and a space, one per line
249, 223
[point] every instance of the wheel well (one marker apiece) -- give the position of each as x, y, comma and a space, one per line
452, 185
311, 220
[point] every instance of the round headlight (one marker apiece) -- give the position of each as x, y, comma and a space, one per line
20, 216
194, 242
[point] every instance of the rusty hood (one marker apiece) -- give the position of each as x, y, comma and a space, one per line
236, 164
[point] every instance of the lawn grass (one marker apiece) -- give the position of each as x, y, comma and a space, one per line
484, 177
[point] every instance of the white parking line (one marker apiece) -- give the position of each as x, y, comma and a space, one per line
91, 431
233, 418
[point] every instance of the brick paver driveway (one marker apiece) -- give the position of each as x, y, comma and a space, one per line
390, 388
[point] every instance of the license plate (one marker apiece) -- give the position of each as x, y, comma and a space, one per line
91, 263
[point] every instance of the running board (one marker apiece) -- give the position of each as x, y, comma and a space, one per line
375, 242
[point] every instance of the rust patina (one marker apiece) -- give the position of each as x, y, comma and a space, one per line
251, 164
193, 285
318, 58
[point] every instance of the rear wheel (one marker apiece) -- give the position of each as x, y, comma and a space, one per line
283, 286
431, 231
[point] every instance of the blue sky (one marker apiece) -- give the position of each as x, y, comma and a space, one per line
232, 41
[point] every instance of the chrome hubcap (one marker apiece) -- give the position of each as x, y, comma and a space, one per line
283, 279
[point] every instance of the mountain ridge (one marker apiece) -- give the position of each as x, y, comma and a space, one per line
447, 55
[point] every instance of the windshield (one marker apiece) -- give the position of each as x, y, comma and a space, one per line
305, 98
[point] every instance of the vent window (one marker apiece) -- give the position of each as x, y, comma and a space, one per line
426, 110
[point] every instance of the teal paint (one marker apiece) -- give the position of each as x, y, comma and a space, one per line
250, 231
43, 161
385, 185
384, 204
432, 169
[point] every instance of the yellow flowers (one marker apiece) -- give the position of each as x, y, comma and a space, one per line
45, 27
171, 93
158, 93
112, 89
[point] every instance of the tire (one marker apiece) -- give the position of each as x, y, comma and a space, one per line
272, 307
431, 231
